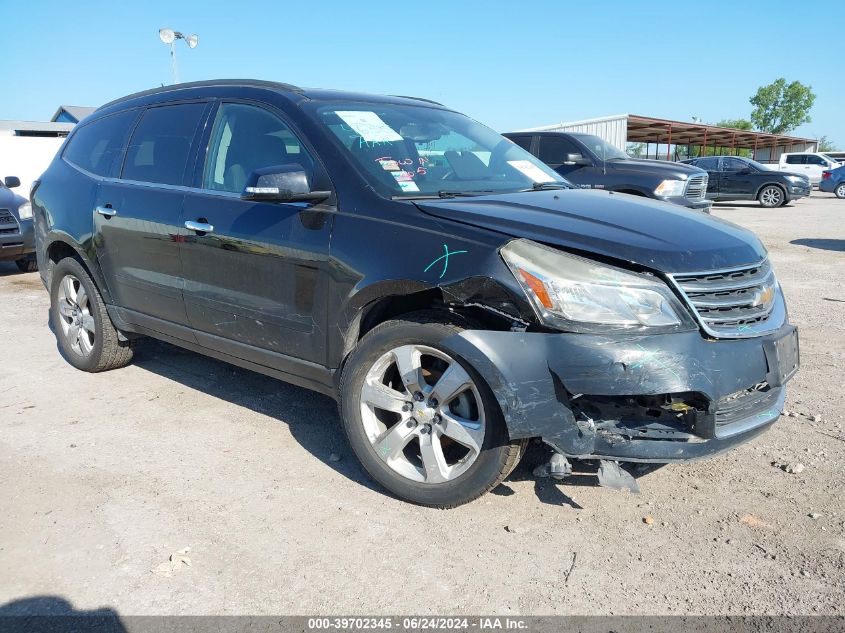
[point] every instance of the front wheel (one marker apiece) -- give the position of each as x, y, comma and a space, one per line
839, 192
771, 196
420, 419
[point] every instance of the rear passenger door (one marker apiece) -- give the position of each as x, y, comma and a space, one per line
138, 218
255, 283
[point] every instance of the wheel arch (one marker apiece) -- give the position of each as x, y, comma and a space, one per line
394, 299
59, 246
779, 185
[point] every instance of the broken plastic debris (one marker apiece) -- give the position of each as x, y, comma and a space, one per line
174, 564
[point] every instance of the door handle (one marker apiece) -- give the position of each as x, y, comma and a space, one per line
106, 211
199, 227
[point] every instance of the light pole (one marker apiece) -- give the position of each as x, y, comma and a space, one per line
169, 36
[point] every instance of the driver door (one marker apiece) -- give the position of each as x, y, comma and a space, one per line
255, 272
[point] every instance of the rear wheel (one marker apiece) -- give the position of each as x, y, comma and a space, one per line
771, 196
85, 334
421, 420
839, 192
27, 264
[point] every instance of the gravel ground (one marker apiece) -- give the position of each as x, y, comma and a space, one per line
106, 476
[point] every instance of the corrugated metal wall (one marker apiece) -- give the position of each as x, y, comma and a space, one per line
613, 130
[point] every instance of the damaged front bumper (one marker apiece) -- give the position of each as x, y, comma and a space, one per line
643, 398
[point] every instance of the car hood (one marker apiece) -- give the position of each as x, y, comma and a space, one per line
10, 200
652, 234
660, 168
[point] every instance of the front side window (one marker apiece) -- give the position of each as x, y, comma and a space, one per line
96, 145
246, 138
553, 149
407, 151
812, 159
160, 145
733, 164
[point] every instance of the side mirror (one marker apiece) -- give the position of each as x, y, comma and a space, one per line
576, 159
281, 183
12, 181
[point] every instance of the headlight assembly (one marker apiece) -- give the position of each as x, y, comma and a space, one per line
577, 294
671, 188
25, 211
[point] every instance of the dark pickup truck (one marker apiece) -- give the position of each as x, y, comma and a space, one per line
590, 162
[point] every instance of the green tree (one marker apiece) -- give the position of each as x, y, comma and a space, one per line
736, 124
781, 107
826, 145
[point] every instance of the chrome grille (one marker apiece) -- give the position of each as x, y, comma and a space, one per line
734, 302
697, 187
8, 223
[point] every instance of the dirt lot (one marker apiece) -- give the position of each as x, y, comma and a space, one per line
105, 476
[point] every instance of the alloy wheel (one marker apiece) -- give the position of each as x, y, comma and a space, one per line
423, 414
840, 191
75, 318
771, 197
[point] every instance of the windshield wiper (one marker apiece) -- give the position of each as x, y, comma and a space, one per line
545, 186
460, 194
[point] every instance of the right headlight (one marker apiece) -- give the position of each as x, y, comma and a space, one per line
25, 211
577, 294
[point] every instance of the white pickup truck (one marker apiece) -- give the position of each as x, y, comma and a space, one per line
809, 164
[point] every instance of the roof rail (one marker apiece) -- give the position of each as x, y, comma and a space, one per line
210, 82
416, 99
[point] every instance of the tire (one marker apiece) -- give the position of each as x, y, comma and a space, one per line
839, 192
27, 264
412, 453
771, 197
86, 337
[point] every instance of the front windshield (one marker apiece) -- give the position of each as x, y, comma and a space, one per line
413, 151
601, 148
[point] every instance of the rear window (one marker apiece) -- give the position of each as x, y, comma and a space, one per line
160, 145
96, 145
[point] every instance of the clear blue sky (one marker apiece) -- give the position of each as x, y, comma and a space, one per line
510, 64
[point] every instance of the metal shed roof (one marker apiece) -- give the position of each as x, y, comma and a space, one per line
76, 112
643, 129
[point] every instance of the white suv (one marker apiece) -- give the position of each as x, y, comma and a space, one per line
809, 164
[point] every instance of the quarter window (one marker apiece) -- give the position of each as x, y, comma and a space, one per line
246, 138
95, 146
160, 145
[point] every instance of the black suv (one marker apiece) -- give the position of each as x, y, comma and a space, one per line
17, 242
590, 162
449, 289
739, 178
